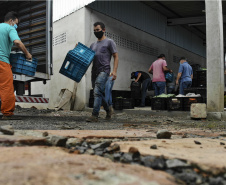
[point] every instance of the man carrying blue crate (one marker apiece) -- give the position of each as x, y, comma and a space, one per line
9, 36
185, 75
105, 48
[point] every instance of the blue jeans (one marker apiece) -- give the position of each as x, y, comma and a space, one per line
145, 84
184, 85
159, 87
108, 88
99, 86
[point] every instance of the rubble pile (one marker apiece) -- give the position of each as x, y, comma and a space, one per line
180, 169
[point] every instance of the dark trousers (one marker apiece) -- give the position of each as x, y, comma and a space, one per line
145, 84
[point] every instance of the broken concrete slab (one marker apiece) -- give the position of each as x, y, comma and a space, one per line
7, 129
132, 133
22, 140
58, 140
54, 166
206, 156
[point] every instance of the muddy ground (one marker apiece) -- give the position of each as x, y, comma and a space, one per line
35, 119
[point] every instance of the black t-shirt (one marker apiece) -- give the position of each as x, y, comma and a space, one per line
143, 77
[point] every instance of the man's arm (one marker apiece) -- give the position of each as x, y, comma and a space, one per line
178, 77
192, 76
21, 46
114, 73
138, 77
166, 69
151, 69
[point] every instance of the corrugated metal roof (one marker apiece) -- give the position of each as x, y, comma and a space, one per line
143, 17
62, 8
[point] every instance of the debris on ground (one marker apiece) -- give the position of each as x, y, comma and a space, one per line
164, 134
7, 129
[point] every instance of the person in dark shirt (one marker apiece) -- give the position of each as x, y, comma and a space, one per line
145, 79
104, 49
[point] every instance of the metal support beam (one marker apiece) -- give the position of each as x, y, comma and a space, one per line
189, 20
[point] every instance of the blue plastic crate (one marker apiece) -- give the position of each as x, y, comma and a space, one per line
169, 77
77, 62
21, 65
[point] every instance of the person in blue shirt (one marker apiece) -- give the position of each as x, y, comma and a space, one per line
185, 75
8, 37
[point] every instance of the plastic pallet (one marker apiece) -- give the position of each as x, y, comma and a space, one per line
187, 101
77, 62
128, 103
158, 103
21, 65
118, 104
174, 104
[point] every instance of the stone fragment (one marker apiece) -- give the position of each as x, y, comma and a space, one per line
90, 152
85, 144
7, 130
58, 140
99, 151
153, 147
176, 163
45, 134
135, 153
218, 180
113, 148
117, 156
198, 110
164, 134
101, 145
133, 150
127, 158
73, 142
154, 162
81, 149
109, 156
187, 176
221, 143
197, 142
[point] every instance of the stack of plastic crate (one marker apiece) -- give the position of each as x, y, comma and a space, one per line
21, 65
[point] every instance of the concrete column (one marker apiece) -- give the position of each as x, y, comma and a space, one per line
215, 56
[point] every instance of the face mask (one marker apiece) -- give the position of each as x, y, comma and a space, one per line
14, 26
99, 34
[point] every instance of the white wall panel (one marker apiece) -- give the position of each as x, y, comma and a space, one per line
62, 8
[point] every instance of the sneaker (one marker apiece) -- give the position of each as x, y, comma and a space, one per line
10, 118
92, 119
109, 113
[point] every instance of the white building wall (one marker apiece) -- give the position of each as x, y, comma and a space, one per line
74, 27
79, 28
